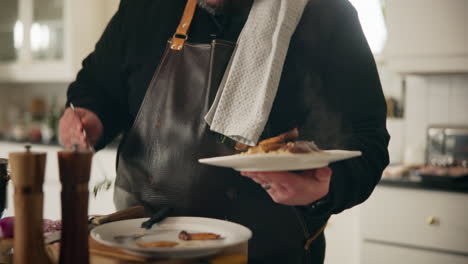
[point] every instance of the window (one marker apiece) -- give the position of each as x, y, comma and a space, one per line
371, 15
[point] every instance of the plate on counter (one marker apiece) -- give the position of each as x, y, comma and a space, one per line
128, 234
281, 162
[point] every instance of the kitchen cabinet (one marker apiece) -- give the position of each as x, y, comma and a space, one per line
343, 238
385, 254
103, 165
426, 36
46, 40
8, 18
414, 226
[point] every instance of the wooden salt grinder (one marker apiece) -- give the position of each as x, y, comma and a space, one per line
75, 168
27, 175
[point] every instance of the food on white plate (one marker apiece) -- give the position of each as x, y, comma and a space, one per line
183, 235
157, 244
282, 144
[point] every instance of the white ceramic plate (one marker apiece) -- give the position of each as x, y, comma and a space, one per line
281, 162
168, 230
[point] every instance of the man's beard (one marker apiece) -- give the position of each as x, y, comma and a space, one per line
217, 8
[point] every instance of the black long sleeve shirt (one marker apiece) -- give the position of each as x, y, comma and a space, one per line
330, 87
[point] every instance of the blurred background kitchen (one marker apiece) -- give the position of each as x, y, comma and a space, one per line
418, 213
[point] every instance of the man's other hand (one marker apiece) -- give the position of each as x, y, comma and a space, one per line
72, 124
295, 189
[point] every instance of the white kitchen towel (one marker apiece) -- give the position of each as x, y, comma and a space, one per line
245, 97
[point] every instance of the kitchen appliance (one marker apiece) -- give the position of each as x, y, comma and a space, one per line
447, 146
446, 157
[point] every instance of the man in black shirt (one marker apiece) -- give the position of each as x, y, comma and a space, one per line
329, 89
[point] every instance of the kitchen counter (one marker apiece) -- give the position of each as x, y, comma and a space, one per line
416, 183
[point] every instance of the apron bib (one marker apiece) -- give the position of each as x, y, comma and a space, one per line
158, 158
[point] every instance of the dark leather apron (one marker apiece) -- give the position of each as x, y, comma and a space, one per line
158, 158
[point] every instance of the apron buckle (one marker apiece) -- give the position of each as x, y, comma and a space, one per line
178, 41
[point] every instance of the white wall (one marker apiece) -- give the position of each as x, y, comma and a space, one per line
111, 7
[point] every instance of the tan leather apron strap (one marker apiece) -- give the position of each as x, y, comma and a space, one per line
179, 38
314, 237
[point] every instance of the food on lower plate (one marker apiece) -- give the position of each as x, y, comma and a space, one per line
183, 235
157, 244
284, 143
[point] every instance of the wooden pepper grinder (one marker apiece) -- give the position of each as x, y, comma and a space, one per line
27, 175
75, 168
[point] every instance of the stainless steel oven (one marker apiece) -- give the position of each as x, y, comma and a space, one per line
447, 146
